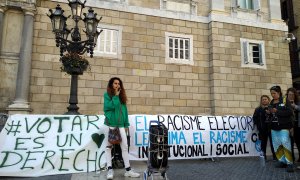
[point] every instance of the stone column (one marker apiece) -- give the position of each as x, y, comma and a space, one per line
2, 9
20, 104
275, 11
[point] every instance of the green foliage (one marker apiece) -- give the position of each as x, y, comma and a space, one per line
73, 63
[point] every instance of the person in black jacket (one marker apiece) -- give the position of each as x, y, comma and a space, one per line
292, 96
263, 126
281, 115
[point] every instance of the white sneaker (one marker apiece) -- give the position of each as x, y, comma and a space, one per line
110, 174
131, 173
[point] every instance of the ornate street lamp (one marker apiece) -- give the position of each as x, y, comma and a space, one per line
71, 49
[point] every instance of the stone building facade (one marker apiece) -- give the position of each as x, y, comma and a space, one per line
182, 57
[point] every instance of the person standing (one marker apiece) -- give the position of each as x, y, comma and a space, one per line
116, 115
280, 112
262, 124
292, 96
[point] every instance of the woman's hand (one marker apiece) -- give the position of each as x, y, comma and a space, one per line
293, 104
274, 110
117, 92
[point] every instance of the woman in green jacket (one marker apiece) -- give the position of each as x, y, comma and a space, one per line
116, 115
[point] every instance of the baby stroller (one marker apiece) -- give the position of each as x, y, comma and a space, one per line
158, 151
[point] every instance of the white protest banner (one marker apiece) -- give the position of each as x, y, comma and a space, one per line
39, 145
191, 137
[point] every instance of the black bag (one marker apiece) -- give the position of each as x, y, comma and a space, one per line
117, 159
114, 136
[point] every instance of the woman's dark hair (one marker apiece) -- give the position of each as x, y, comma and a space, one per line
277, 89
111, 91
293, 90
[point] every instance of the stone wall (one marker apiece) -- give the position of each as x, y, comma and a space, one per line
202, 9
152, 86
215, 84
237, 90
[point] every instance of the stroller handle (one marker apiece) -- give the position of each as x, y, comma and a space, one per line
154, 121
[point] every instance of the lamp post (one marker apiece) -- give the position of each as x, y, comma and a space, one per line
72, 48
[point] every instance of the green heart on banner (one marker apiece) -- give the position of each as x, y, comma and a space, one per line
98, 139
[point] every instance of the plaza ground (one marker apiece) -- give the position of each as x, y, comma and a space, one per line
234, 168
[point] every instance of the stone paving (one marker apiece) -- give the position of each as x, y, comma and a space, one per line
246, 168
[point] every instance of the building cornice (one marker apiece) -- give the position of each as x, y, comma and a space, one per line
281, 26
29, 5
184, 16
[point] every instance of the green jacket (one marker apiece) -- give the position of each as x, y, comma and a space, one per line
116, 114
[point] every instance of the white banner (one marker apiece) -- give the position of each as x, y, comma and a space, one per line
38, 145
196, 136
